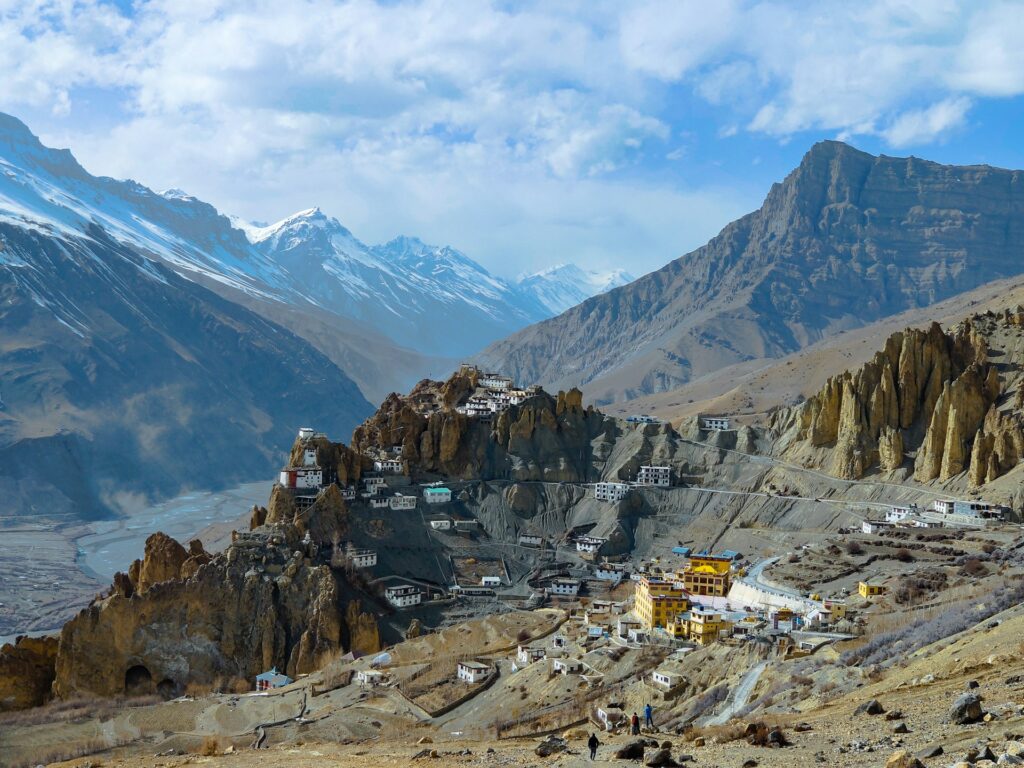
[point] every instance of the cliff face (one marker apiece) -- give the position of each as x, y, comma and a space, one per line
544, 438
944, 403
183, 616
847, 238
26, 672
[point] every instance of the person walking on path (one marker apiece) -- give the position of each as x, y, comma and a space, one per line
635, 723
593, 743
649, 716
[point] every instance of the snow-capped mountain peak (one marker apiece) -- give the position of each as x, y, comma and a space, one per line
565, 285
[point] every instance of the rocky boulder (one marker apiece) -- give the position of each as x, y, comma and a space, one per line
966, 709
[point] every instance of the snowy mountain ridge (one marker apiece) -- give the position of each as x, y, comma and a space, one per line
431, 298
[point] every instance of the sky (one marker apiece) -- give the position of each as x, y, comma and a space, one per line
611, 134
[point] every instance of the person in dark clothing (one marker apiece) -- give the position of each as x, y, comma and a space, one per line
649, 716
593, 743
635, 723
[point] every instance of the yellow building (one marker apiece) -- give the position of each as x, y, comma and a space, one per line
870, 589
707, 575
656, 602
838, 609
705, 626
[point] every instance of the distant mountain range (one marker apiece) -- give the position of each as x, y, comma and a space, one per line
150, 344
846, 239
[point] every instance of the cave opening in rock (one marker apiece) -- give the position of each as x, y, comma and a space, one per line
167, 688
138, 681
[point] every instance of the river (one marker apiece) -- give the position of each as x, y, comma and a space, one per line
113, 544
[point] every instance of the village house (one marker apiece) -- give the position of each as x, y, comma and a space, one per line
490, 581
896, 514
527, 655
379, 502
306, 433
467, 526
531, 540
614, 572
361, 558
495, 381
974, 509
714, 423
642, 419
370, 677
876, 526
564, 587
266, 681
665, 679
657, 602
374, 484
707, 574
610, 492
589, 544
348, 493
389, 466
626, 623
437, 495
612, 716
404, 595
441, 524
870, 588
473, 671
566, 666
657, 476
402, 501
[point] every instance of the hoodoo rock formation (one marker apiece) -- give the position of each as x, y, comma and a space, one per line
934, 400
26, 672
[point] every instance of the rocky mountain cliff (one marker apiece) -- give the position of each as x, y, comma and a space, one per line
182, 616
845, 239
121, 380
937, 405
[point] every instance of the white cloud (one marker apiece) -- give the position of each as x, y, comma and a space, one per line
923, 125
478, 122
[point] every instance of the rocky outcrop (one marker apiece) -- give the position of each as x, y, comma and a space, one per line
544, 438
184, 616
26, 672
928, 392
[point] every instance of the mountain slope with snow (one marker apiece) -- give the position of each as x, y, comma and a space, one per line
564, 286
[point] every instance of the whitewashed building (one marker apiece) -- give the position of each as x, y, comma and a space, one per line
653, 475
302, 477
564, 587
374, 484
611, 492
404, 595
437, 495
370, 677
876, 526
714, 423
527, 655
495, 381
665, 679
389, 466
306, 433
566, 666
379, 502
490, 581
441, 524
589, 544
362, 558
473, 671
895, 514
402, 501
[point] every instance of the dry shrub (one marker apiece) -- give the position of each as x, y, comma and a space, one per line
854, 547
904, 555
75, 709
210, 747
974, 567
